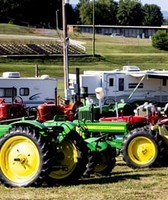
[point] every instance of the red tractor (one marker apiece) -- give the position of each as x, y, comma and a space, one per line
16, 109
62, 109
151, 114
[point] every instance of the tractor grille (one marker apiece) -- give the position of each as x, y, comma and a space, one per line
86, 113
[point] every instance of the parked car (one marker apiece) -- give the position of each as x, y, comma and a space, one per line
116, 35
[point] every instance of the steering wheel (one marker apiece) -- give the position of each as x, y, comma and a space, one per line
2, 100
109, 101
18, 99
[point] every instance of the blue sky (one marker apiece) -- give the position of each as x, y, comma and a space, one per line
162, 3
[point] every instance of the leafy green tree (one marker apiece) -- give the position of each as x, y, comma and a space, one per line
109, 10
130, 13
160, 40
86, 12
105, 12
40, 13
10, 10
28, 11
152, 15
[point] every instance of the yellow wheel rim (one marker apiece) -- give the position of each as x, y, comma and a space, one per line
141, 150
67, 160
19, 159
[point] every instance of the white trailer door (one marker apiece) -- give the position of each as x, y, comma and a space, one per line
113, 84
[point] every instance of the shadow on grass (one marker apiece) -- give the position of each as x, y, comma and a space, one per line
136, 174
114, 177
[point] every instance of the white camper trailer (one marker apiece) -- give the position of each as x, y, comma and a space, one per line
130, 84
32, 90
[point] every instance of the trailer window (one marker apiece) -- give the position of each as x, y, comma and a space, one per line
164, 82
24, 92
121, 84
134, 85
111, 82
8, 92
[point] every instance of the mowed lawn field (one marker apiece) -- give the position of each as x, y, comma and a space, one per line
124, 183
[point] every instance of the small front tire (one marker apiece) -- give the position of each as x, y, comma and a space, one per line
140, 149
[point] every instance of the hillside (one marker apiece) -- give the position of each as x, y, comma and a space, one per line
23, 41
110, 52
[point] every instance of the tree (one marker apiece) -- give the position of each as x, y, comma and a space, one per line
160, 40
28, 11
109, 10
42, 13
86, 12
130, 13
39, 13
152, 15
10, 10
105, 12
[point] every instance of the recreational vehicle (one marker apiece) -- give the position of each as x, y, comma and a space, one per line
32, 90
129, 84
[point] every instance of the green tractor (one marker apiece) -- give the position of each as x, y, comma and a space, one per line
32, 153
139, 147
158, 131
61, 152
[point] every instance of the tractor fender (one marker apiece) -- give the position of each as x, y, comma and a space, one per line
63, 128
4, 129
33, 123
95, 144
59, 129
68, 126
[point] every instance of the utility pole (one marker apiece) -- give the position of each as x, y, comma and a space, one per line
65, 47
93, 39
56, 16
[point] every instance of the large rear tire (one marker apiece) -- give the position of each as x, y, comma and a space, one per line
140, 149
70, 162
24, 158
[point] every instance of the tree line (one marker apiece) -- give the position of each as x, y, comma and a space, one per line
42, 13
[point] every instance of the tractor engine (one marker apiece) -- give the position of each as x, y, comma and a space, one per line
11, 110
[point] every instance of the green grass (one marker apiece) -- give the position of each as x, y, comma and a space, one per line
111, 53
14, 29
124, 183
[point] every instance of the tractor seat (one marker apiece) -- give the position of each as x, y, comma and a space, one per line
163, 121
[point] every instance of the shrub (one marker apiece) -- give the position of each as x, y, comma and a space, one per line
160, 40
